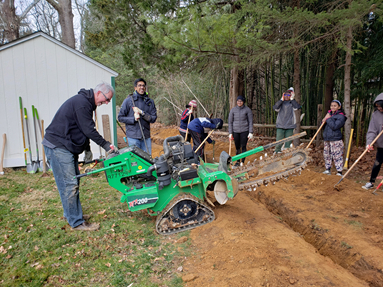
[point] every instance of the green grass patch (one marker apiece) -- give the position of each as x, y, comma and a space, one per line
354, 223
38, 247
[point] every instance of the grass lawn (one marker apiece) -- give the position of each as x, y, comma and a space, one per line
38, 247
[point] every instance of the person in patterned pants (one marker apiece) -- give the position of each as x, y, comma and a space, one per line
332, 135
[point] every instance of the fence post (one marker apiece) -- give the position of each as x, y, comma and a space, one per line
319, 122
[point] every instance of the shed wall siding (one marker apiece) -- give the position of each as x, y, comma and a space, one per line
44, 74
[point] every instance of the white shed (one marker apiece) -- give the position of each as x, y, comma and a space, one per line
45, 72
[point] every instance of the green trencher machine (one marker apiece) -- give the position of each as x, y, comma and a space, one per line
173, 187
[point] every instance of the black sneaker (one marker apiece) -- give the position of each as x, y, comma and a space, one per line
237, 164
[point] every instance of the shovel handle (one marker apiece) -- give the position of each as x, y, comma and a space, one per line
204, 141
315, 134
187, 129
365, 151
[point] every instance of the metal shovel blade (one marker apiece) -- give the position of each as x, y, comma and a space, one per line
32, 167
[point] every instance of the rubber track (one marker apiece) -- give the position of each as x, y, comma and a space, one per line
172, 203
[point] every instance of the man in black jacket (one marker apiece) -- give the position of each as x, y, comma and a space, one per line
138, 111
65, 138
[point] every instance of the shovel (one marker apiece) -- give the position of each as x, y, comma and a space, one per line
40, 163
32, 166
321, 126
376, 189
365, 151
45, 165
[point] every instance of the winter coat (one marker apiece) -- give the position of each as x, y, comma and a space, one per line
333, 125
185, 120
286, 115
375, 126
73, 125
240, 120
197, 125
126, 115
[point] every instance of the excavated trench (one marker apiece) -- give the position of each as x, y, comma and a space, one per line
323, 240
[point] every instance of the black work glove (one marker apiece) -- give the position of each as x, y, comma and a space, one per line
217, 126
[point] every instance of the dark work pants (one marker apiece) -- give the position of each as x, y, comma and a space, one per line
184, 134
197, 140
240, 141
377, 164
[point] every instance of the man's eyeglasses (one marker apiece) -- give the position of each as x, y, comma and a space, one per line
143, 86
106, 98
286, 95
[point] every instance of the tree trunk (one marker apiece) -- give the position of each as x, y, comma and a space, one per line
11, 28
64, 9
297, 91
234, 83
347, 87
329, 81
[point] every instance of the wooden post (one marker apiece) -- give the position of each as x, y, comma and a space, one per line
319, 122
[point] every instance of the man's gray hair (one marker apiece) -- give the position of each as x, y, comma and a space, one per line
104, 87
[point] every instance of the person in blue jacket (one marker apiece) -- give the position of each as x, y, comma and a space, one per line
190, 109
332, 136
138, 108
196, 129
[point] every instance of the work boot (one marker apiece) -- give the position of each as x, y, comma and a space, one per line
84, 216
87, 227
368, 186
237, 163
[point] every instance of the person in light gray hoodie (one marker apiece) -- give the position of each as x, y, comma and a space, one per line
374, 128
240, 126
286, 121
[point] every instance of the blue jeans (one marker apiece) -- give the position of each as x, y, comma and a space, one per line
141, 144
64, 165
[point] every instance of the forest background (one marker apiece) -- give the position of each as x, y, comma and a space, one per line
220, 49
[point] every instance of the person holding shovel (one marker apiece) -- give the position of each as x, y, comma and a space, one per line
137, 112
68, 136
197, 130
240, 126
286, 121
374, 128
187, 117
332, 136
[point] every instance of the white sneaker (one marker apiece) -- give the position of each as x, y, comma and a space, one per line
339, 174
368, 185
327, 171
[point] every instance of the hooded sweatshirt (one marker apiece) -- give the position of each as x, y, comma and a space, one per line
73, 125
375, 126
197, 125
286, 116
333, 125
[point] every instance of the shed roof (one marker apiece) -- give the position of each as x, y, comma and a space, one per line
70, 49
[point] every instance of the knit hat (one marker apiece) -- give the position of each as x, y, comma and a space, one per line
242, 98
193, 103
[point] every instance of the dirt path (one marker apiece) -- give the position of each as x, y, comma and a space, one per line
298, 232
